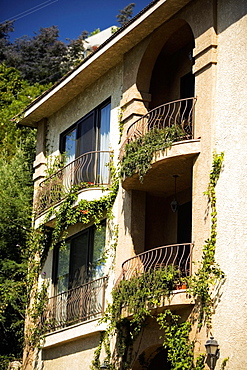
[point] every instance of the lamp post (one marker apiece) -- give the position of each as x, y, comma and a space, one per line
212, 351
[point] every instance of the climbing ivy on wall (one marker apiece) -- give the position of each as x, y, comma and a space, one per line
139, 153
43, 238
138, 295
209, 272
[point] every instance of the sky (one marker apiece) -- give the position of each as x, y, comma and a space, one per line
71, 16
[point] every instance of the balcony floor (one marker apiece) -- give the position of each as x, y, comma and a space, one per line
178, 299
177, 160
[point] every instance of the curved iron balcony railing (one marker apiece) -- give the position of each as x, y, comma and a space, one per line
75, 305
176, 255
176, 113
89, 169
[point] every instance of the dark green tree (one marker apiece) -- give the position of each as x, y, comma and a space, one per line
125, 14
15, 95
42, 58
17, 149
38, 58
5, 29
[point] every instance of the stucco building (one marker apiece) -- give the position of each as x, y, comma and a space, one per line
176, 71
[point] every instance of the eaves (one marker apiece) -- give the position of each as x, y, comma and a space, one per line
108, 55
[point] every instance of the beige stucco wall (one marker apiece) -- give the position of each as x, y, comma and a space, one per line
79, 353
220, 56
230, 320
108, 86
74, 355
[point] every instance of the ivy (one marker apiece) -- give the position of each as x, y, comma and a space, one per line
209, 272
43, 238
137, 296
176, 341
139, 153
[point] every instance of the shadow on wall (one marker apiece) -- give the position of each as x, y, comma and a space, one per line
70, 348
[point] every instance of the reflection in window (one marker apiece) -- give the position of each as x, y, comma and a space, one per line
81, 259
88, 140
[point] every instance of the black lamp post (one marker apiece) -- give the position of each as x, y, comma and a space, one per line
212, 351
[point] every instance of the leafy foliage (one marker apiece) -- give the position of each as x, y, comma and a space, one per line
125, 14
135, 298
139, 153
15, 221
139, 294
42, 239
209, 271
16, 157
42, 58
15, 94
176, 341
5, 29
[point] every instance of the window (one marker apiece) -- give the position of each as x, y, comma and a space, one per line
80, 260
88, 142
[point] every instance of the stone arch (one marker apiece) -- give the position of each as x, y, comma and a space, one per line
167, 58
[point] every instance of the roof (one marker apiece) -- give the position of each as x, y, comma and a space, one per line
106, 56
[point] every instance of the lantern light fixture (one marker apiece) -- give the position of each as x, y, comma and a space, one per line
212, 351
174, 202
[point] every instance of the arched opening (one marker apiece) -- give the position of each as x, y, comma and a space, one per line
172, 76
165, 72
166, 67
159, 361
153, 358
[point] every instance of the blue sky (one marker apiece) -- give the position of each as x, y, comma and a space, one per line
71, 16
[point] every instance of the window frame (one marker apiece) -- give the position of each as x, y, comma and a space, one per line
90, 252
76, 125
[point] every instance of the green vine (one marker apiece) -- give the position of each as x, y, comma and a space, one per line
120, 123
136, 298
140, 294
176, 341
139, 153
209, 272
224, 363
43, 238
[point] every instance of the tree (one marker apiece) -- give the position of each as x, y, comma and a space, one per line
5, 29
74, 53
16, 157
15, 95
39, 58
15, 220
42, 58
125, 14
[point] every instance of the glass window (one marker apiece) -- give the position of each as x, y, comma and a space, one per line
91, 133
70, 145
63, 269
81, 259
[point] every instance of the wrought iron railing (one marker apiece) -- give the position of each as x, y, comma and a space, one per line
178, 113
89, 169
79, 304
176, 255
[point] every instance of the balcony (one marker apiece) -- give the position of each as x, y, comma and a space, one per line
168, 133
176, 255
178, 114
88, 170
161, 274
76, 305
